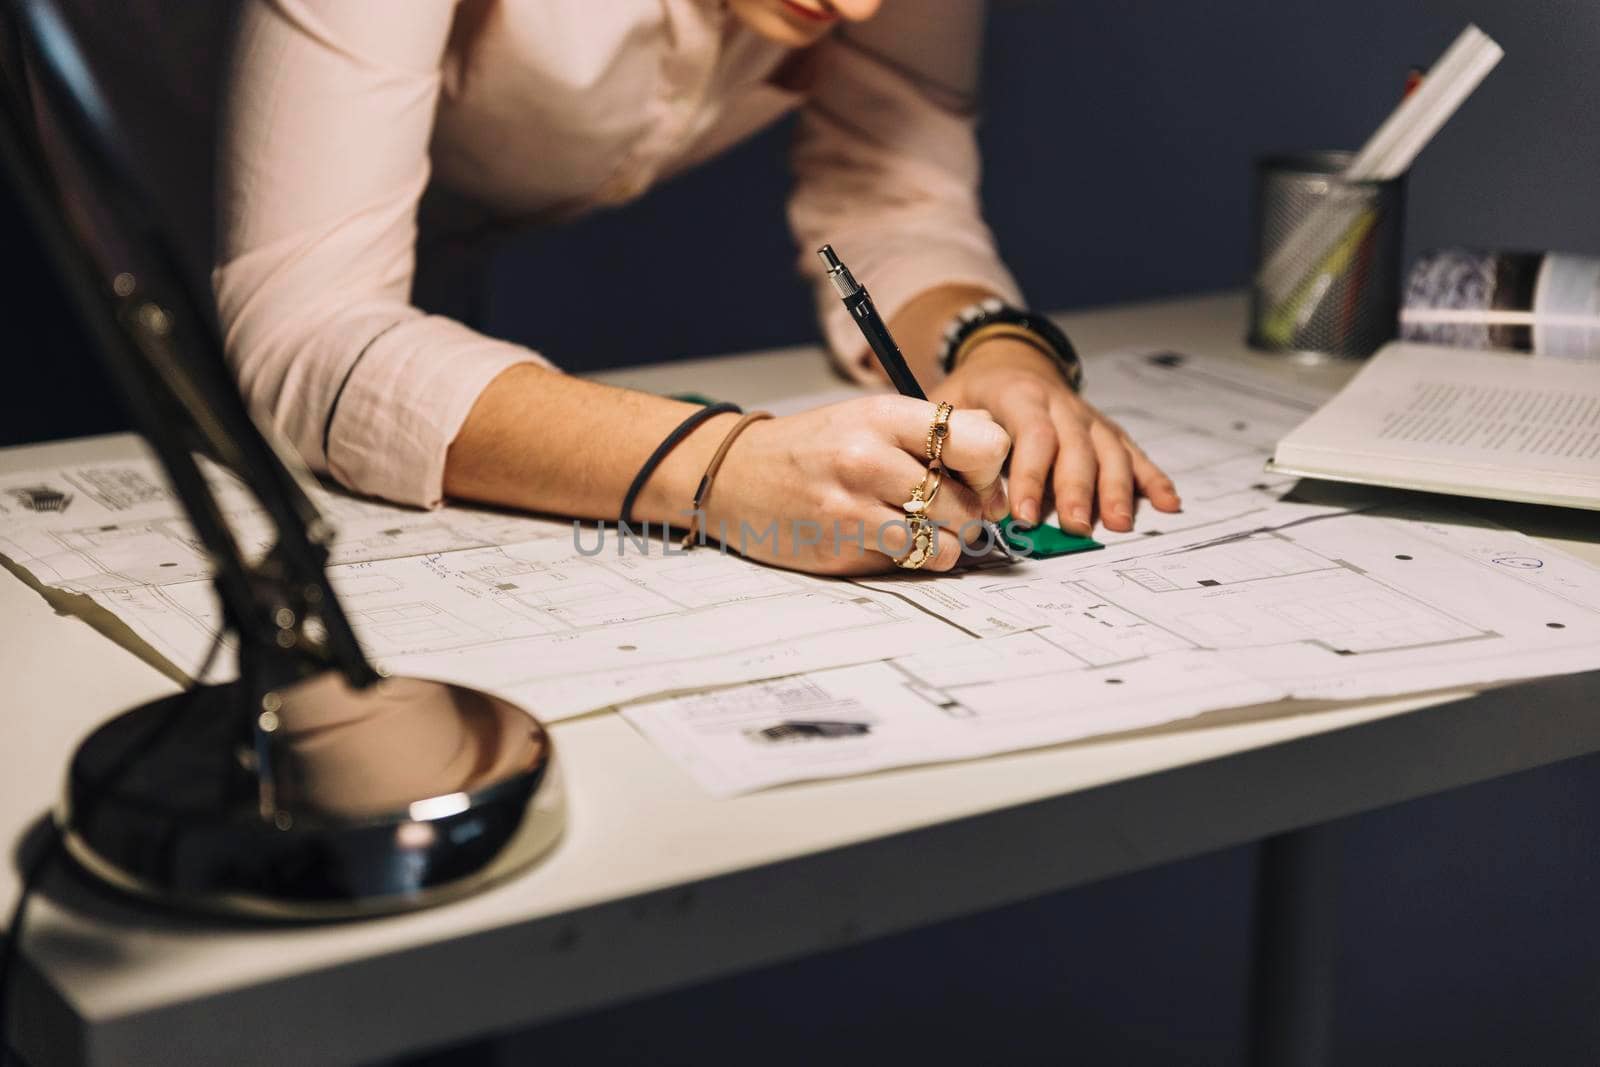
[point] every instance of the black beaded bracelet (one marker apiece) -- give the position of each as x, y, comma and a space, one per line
673, 439
995, 317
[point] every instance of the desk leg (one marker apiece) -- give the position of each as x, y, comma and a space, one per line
1297, 897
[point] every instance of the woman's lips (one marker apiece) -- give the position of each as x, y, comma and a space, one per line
812, 13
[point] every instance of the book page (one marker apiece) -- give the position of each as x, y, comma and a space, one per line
1452, 420
1529, 421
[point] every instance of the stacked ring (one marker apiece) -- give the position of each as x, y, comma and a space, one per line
938, 430
922, 547
918, 525
923, 493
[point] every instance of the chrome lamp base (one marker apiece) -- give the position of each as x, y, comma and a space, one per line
317, 801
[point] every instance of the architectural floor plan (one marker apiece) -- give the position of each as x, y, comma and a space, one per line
1252, 595
555, 618
1343, 606
1260, 591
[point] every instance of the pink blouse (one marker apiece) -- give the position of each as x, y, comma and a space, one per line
340, 112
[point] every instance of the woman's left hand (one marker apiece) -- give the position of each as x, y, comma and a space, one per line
1059, 440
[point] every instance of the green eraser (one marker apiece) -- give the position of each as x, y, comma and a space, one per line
693, 398
1043, 541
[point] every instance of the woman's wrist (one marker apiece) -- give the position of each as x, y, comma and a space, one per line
993, 319
668, 495
1002, 354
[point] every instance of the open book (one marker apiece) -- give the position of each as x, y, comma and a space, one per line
1447, 420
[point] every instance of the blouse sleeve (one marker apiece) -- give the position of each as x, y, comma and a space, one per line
886, 167
324, 158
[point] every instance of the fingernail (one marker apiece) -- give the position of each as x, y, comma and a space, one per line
1080, 517
1029, 512
1121, 516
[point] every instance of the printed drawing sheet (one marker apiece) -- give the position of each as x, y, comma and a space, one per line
1249, 596
750, 676
115, 534
562, 623
1335, 607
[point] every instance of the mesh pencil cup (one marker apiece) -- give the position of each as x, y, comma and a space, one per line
1327, 254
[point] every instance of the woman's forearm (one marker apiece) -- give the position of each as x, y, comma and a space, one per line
819, 491
549, 442
545, 441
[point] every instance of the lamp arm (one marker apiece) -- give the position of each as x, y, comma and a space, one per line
158, 342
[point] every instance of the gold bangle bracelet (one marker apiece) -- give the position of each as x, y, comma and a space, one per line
1001, 329
703, 490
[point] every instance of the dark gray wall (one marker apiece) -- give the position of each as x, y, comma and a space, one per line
1124, 168
1118, 138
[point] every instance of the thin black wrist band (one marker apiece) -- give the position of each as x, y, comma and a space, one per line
673, 439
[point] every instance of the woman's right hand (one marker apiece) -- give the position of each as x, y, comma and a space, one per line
822, 491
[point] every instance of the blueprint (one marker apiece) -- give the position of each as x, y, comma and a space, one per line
1250, 595
1341, 607
564, 634
524, 607
750, 676
114, 533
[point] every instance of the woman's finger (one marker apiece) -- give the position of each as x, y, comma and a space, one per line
1076, 473
975, 446
1152, 480
1115, 481
890, 536
1032, 453
955, 506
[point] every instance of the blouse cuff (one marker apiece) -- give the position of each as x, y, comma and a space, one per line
404, 402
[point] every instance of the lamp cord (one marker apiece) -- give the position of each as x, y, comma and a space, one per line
34, 872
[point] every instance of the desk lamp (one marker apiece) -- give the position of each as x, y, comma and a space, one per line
313, 786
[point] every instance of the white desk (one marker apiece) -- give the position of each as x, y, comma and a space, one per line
657, 885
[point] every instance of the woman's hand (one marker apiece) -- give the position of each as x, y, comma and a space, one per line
1096, 467
822, 491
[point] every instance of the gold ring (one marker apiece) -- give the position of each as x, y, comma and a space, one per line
938, 430
922, 547
922, 494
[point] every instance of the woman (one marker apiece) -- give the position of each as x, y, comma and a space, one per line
340, 113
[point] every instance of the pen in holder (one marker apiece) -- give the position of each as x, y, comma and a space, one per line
1327, 254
